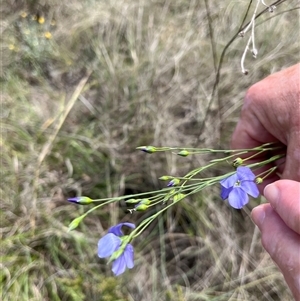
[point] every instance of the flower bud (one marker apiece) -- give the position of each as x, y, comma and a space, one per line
147, 149
258, 180
75, 223
173, 182
145, 201
178, 197
141, 207
81, 200
237, 162
183, 153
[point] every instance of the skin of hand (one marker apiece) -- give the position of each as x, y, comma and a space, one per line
279, 223
271, 113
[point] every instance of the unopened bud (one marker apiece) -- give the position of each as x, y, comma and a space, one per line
258, 180
81, 200
145, 201
75, 223
147, 149
183, 153
141, 207
178, 197
173, 182
237, 162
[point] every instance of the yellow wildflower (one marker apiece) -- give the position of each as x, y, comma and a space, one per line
48, 35
41, 20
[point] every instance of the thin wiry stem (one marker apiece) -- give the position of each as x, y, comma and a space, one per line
245, 71
251, 39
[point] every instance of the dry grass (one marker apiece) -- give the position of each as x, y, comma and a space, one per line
115, 75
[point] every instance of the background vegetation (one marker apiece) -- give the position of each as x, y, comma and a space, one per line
85, 82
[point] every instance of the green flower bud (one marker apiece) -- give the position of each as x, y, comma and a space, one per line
258, 180
141, 207
183, 153
147, 149
237, 162
173, 182
178, 197
145, 202
75, 223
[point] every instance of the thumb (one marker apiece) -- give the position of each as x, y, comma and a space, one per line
284, 197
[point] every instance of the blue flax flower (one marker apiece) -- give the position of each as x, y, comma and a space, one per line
111, 243
237, 187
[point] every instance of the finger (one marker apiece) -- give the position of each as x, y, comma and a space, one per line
284, 197
281, 243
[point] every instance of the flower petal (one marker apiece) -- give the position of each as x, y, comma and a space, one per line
230, 181
238, 198
119, 265
128, 256
74, 200
245, 173
108, 244
117, 230
250, 187
225, 192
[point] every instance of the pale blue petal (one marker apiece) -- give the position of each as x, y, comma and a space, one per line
238, 198
119, 265
117, 230
230, 181
128, 256
108, 244
225, 192
251, 188
245, 173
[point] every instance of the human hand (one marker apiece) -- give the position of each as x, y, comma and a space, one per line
279, 223
271, 113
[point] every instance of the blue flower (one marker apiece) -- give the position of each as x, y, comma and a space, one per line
237, 187
111, 243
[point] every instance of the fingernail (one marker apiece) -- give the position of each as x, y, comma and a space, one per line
258, 215
271, 193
